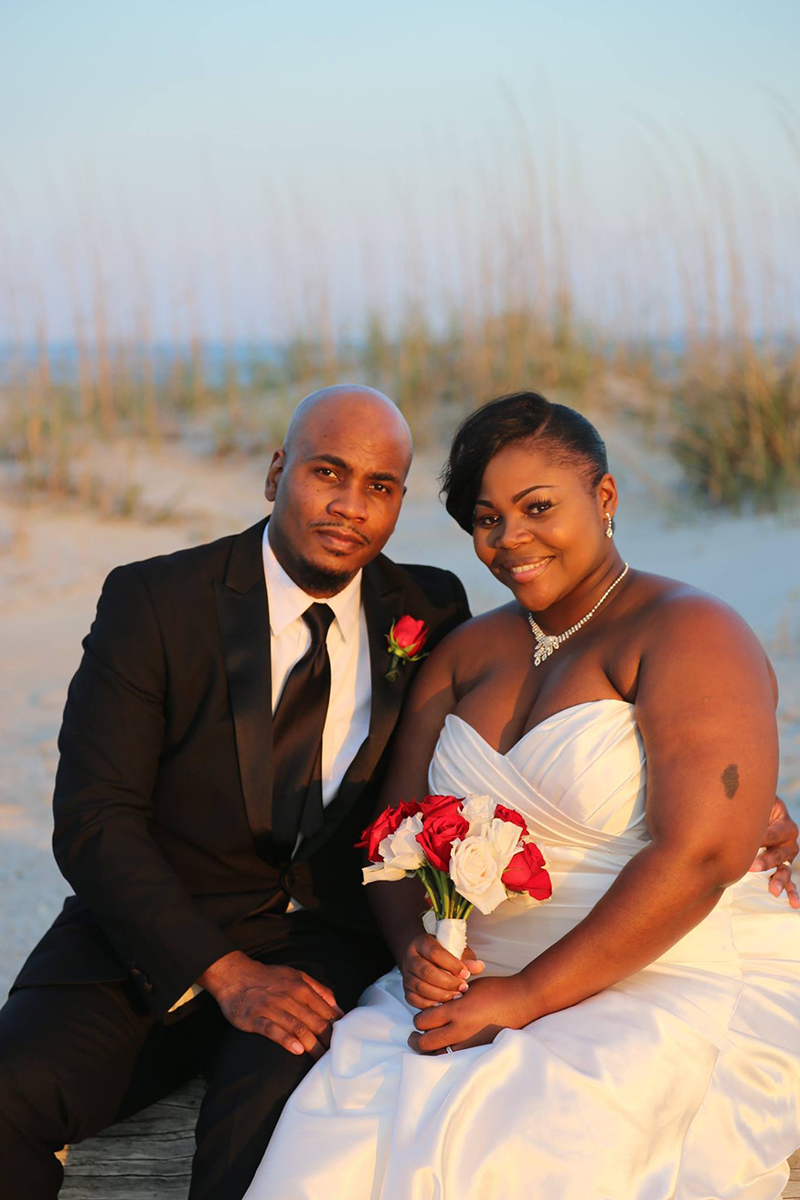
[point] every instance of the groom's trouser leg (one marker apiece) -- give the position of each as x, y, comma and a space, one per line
74, 1059
250, 1078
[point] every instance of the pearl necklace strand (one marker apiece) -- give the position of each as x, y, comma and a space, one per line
547, 643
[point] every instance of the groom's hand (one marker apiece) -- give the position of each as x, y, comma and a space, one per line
431, 975
280, 1003
780, 849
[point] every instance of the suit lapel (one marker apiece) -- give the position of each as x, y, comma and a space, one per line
243, 615
382, 605
381, 608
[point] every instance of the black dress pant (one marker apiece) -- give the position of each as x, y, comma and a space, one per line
75, 1058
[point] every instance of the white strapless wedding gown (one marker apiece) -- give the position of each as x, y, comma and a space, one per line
681, 1081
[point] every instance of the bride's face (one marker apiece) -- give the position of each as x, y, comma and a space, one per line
538, 526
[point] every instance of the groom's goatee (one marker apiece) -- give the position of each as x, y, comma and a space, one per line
321, 580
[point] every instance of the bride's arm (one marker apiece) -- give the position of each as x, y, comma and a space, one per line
397, 906
705, 709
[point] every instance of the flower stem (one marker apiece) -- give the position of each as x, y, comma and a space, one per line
442, 890
422, 873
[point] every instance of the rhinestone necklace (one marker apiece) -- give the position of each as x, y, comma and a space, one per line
546, 643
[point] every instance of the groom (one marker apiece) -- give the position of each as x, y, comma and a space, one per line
207, 826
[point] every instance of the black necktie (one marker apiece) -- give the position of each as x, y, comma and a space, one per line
297, 739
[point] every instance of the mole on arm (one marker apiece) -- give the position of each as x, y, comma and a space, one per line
730, 780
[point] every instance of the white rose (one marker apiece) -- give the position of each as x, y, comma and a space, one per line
401, 850
475, 871
479, 811
504, 836
379, 872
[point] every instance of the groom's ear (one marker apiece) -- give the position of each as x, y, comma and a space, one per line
274, 473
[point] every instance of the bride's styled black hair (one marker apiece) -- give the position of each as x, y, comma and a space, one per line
522, 416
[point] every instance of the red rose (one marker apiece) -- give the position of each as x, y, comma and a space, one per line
512, 816
435, 804
440, 828
388, 822
526, 873
408, 635
405, 641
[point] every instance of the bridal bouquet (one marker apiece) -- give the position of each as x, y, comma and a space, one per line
469, 852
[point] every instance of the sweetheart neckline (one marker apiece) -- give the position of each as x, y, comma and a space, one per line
541, 724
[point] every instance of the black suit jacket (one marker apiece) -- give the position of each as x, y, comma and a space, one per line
163, 793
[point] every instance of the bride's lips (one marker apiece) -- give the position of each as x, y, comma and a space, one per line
524, 572
339, 539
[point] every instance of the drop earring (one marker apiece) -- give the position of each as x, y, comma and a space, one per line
610, 527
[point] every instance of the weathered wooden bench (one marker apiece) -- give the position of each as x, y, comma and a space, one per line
149, 1156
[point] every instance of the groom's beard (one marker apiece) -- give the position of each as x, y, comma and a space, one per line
322, 581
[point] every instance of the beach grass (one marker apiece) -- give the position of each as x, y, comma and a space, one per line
718, 380
737, 427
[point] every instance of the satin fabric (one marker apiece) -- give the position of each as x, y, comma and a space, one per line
681, 1081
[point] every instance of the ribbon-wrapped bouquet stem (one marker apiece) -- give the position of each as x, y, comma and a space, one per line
468, 852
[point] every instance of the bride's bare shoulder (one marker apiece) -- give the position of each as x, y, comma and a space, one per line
482, 636
692, 622
656, 596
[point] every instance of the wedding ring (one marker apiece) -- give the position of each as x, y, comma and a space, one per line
449, 1049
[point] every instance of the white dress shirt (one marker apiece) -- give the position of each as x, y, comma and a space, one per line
349, 706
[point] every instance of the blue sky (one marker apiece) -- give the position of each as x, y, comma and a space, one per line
208, 140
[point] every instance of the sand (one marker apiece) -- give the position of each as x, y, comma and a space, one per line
53, 559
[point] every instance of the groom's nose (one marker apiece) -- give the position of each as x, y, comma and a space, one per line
349, 502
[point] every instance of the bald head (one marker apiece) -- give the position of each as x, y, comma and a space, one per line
350, 404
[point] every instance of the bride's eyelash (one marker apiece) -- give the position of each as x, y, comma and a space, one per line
534, 509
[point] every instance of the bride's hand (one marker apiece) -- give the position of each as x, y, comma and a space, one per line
476, 1017
431, 975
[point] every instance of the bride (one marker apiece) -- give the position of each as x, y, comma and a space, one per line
637, 1037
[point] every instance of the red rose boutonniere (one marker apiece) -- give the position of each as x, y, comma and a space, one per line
406, 639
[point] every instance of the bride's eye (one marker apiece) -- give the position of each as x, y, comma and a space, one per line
538, 507
484, 521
